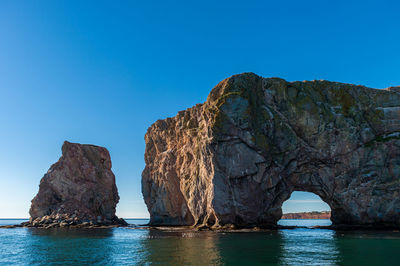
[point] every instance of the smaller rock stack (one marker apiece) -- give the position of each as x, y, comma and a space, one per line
79, 190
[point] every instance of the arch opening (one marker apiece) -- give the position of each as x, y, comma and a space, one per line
304, 208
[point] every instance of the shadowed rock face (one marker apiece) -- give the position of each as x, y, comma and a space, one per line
236, 158
80, 187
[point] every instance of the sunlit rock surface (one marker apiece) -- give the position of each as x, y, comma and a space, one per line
78, 189
236, 158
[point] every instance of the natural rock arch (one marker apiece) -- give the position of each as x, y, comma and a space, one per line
290, 193
312, 207
236, 158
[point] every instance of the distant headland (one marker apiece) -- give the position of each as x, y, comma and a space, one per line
307, 215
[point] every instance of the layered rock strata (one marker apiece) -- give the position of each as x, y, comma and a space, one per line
236, 158
78, 190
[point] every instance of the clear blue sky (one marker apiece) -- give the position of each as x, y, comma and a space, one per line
102, 72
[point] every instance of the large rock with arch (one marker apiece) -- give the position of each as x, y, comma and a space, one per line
236, 158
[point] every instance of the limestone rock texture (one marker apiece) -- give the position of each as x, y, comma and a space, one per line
78, 189
236, 158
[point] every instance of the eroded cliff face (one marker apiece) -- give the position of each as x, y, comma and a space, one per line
236, 158
79, 188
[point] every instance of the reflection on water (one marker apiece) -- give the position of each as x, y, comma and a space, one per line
368, 248
69, 246
56, 234
250, 248
142, 246
309, 246
180, 248
211, 248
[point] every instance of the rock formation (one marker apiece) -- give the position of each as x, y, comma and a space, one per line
307, 215
236, 158
77, 190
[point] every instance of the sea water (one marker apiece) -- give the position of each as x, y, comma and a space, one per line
141, 246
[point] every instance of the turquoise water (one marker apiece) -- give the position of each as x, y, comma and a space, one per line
299, 246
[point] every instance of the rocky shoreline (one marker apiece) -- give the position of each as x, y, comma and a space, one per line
65, 220
233, 228
61, 225
59, 220
223, 229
